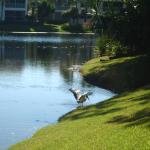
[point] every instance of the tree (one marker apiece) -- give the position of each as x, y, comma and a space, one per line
44, 10
136, 23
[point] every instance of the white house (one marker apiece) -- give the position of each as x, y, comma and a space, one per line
13, 9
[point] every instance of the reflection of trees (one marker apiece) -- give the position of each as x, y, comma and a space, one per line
47, 55
61, 55
12, 56
78, 54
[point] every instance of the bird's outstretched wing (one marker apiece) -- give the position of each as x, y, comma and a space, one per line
88, 93
76, 93
80, 97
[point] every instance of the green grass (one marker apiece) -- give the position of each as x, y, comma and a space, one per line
30, 28
120, 123
78, 28
21, 27
119, 75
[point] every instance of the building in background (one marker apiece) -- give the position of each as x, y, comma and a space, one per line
13, 10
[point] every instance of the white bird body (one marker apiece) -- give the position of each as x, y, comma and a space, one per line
80, 98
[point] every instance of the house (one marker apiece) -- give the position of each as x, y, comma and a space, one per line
60, 8
13, 10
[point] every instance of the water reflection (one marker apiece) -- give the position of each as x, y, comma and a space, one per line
18, 54
34, 82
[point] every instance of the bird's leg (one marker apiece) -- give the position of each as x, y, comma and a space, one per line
80, 104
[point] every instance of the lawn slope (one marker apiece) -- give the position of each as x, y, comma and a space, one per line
119, 75
120, 123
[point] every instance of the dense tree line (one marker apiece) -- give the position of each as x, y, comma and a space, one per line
130, 25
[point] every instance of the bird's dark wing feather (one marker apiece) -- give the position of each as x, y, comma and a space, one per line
75, 95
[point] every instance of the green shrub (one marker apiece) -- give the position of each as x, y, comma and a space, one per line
109, 46
87, 26
72, 28
65, 26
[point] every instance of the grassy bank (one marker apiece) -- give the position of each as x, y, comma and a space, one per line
119, 75
120, 123
30, 28
37, 27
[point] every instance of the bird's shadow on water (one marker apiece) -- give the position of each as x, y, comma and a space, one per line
139, 117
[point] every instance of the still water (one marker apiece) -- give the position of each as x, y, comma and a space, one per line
34, 82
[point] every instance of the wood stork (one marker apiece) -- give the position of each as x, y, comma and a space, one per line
81, 98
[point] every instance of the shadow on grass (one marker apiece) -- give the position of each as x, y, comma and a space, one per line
138, 118
143, 99
117, 105
102, 108
125, 75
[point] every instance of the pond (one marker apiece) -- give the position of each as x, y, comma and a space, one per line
34, 82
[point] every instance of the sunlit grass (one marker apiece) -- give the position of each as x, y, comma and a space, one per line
121, 123
122, 74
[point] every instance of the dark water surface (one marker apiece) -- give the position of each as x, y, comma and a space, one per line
34, 82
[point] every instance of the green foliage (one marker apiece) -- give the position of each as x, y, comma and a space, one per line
109, 46
139, 27
71, 13
74, 12
75, 28
39, 27
87, 26
44, 10
66, 14
127, 21
132, 26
